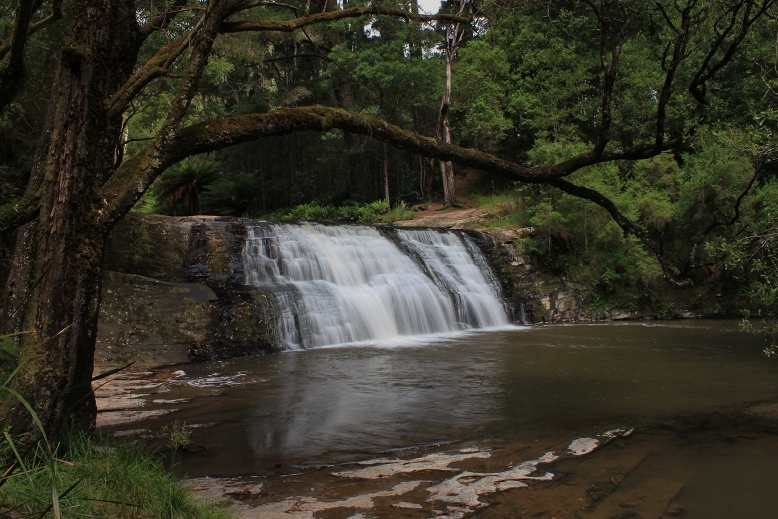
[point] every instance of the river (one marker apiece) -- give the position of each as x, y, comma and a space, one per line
509, 394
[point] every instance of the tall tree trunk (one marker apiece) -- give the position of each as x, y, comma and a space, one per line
385, 168
454, 37
444, 134
55, 275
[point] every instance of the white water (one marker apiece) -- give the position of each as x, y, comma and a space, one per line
344, 284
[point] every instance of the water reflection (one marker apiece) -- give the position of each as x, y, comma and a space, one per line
337, 404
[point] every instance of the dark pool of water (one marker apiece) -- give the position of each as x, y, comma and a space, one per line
339, 404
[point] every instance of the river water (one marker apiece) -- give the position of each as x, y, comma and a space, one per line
284, 412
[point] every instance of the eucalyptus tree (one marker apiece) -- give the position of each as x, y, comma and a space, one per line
454, 35
85, 177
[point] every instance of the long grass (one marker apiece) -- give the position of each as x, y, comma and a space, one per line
88, 478
103, 480
506, 209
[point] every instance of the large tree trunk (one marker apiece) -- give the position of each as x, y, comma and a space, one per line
56, 271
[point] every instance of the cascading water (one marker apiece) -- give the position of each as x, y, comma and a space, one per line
341, 284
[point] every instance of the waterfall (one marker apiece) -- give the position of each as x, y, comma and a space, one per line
340, 284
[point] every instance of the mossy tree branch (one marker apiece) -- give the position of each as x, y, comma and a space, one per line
19, 212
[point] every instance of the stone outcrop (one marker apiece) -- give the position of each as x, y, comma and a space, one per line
173, 292
537, 296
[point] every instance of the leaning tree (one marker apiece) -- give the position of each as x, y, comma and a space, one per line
82, 181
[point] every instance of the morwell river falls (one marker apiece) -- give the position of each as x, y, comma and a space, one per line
403, 389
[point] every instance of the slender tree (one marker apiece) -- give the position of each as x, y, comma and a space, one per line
454, 36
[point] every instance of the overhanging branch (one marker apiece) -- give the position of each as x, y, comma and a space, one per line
671, 273
133, 177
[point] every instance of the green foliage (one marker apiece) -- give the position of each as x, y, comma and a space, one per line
374, 212
479, 99
102, 480
398, 213
179, 187
177, 436
9, 356
752, 257
231, 195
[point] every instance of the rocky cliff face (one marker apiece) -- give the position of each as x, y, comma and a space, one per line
536, 296
172, 292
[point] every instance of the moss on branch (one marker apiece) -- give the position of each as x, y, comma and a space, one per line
18, 212
128, 183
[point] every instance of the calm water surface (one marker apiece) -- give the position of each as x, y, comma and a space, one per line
344, 403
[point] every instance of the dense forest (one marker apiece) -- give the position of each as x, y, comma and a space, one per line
637, 138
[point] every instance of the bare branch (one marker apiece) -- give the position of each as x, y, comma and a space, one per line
751, 12
716, 223
678, 46
161, 21
611, 42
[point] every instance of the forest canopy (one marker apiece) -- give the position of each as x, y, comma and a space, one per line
655, 121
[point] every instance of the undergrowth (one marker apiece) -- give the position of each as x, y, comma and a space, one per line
86, 478
373, 212
101, 480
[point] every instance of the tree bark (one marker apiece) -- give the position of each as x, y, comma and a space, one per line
385, 171
55, 276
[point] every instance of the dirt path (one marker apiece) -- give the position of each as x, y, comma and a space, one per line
433, 214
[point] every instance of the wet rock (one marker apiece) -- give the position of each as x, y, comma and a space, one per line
173, 292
